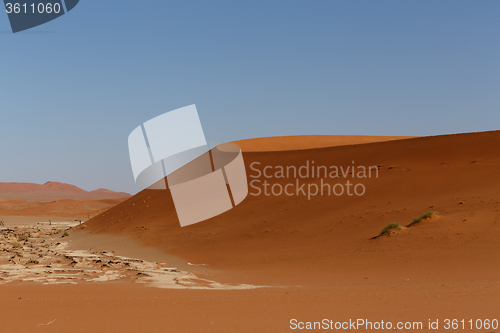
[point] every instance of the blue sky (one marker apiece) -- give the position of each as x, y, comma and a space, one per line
73, 89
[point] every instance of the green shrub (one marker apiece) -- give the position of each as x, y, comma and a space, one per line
388, 228
32, 261
425, 216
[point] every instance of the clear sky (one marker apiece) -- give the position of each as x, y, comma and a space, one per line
73, 89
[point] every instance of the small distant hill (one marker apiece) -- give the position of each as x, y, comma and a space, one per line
51, 191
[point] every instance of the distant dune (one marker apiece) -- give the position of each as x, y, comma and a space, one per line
27, 202
299, 142
290, 239
51, 191
58, 210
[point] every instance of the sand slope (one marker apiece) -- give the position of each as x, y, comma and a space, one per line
293, 240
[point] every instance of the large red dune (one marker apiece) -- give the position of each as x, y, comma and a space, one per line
292, 240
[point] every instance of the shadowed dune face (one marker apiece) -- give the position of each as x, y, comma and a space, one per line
293, 240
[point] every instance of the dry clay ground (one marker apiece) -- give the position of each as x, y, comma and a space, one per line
39, 253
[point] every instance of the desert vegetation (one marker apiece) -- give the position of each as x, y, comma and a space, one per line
390, 227
422, 217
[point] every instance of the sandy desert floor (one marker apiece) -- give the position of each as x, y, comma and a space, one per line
277, 258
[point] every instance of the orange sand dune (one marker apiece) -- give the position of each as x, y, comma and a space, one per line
293, 240
54, 191
280, 143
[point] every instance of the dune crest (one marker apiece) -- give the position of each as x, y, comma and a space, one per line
300, 142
